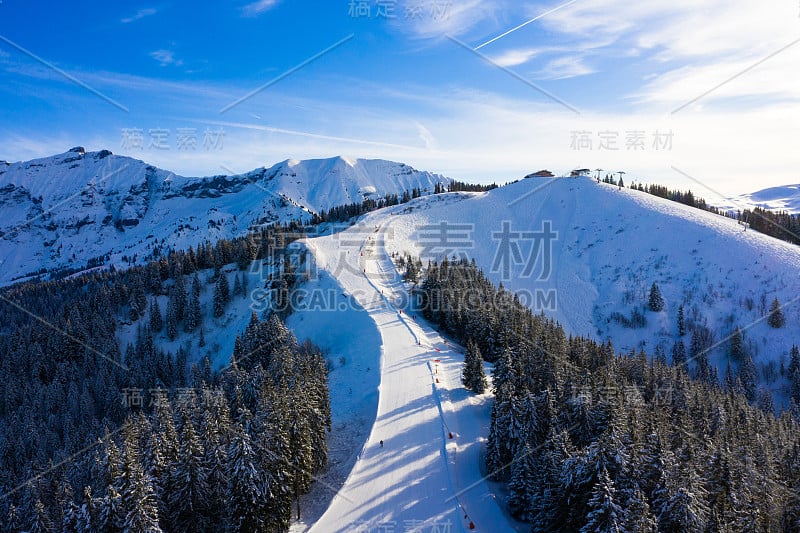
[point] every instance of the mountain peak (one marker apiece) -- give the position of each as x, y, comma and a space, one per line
63, 210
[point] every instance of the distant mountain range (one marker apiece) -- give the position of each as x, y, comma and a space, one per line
784, 198
68, 210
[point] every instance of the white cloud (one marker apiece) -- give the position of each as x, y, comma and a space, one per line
565, 67
437, 18
166, 58
426, 137
515, 57
142, 13
257, 8
691, 50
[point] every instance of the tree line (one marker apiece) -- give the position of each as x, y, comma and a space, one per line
589, 440
66, 383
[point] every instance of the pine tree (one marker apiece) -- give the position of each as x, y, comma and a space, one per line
605, 514
237, 285
681, 322
412, 272
13, 521
156, 320
737, 352
193, 316
794, 374
660, 354
679, 501
221, 295
41, 521
637, 515
473, 376
246, 490
522, 485
748, 377
179, 295
679, 355
776, 318
202, 342
138, 498
111, 514
172, 319
190, 497
655, 301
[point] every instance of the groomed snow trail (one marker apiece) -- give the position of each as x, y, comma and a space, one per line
426, 477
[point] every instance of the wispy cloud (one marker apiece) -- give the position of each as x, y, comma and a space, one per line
426, 137
565, 67
689, 51
166, 58
516, 57
437, 18
255, 9
513, 57
142, 13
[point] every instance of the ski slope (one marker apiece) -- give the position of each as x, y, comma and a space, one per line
612, 244
426, 476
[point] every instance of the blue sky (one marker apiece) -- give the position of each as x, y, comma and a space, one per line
702, 97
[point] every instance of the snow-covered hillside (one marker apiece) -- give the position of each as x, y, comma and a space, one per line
62, 211
612, 245
784, 198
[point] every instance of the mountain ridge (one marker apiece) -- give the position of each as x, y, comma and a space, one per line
70, 208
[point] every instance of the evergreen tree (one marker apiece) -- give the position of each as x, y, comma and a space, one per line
605, 514
660, 354
737, 352
202, 341
776, 318
246, 490
193, 316
13, 521
221, 295
748, 377
656, 300
679, 355
473, 376
679, 501
172, 320
522, 485
190, 497
178, 293
156, 320
111, 514
237, 286
681, 322
637, 515
138, 498
794, 374
41, 521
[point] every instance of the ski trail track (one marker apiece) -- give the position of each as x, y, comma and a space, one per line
426, 477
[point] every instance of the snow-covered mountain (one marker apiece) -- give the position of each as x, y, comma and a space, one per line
60, 212
611, 246
784, 198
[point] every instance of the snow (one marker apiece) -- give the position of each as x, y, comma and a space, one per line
784, 198
612, 245
421, 477
63, 210
219, 333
